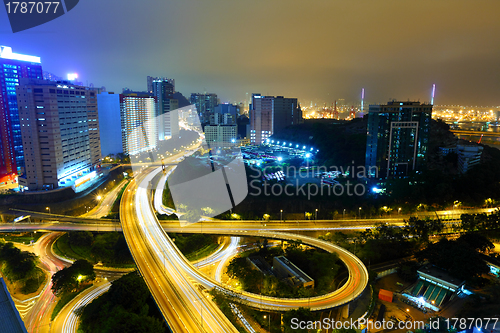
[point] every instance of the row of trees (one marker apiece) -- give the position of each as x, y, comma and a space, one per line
109, 248
480, 222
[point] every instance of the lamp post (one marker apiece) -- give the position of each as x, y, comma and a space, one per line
359, 212
316, 217
399, 210
343, 214
281, 215
269, 316
47, 208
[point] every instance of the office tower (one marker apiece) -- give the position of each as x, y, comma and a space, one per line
205, 105
166, 106
269, 115
13, 66
226, 108
223, 136
150, 80
138, 122
108, 105
398, 136
60, 133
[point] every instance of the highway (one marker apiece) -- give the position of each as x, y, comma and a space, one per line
102, 209
38, 318
358, 274
185, 307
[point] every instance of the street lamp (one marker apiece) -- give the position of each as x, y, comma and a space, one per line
316, 214
281, 214
47, 208
343, 214
360, 212
399, 210
269, 321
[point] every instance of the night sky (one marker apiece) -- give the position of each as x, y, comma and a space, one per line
318, 50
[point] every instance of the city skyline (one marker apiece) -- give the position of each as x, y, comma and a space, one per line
317, 53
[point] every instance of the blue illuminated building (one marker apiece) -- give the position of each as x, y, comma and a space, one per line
108, 105
398, 138
13, 66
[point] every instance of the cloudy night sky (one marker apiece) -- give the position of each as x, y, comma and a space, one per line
318, 50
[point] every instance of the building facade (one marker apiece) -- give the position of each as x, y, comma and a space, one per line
205, 105
138, 122
110, 130
398, 138
221, 135
167, 118
60, 132
13, 67
269, 114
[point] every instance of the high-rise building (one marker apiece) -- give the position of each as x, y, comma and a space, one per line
221, 135
205, 105
138, 122
108, 105
231, 109
166, 106
13, 66
150, 80
269, 114
398, 137
60, 133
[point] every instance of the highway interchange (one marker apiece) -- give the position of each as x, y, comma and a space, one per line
178, 287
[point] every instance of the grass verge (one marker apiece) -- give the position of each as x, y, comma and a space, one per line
65, 299
23, 237
64, 249
203, 252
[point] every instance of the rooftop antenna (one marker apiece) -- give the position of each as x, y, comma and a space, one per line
433, 93
362, 98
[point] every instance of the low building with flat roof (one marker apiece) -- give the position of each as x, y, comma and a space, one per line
285, 269
434, 288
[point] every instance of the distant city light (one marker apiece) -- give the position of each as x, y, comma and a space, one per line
304, 147
280, 159
72, 76
376, 190
308, 155
233, 140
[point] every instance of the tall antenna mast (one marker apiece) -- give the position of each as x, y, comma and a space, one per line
433, 93
362, 98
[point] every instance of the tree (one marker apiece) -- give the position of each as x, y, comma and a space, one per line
71, 277
123, 309
477, 241
81, 238
422, 228
458, 258
20, 265
304, 315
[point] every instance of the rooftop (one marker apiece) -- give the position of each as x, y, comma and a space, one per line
441, 274
10, 320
